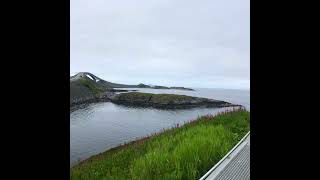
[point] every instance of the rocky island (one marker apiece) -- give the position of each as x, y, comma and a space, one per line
87, 88
165, 101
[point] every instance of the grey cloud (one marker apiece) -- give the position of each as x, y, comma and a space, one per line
167, 42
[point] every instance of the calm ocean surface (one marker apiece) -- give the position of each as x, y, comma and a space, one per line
101, 126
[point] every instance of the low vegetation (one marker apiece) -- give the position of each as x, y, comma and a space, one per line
167, 98
95, 89
185, 152
153, 98
161, 87
166, 101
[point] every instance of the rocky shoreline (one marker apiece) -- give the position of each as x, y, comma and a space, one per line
81, 102
166, 101
86, 88
160, 101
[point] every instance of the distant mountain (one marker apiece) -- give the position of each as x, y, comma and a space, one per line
108, 84
100, 81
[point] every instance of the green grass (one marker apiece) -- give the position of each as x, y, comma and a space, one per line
154, 98
160, 87
92, 87
166, 98
135, 96
185, 152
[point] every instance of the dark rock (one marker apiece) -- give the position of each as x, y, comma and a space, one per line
165, 101
85, 88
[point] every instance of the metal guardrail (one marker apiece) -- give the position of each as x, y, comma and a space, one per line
215, 166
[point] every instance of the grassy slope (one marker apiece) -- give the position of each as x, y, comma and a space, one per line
186, 152
155, 98
165, 98
92, 87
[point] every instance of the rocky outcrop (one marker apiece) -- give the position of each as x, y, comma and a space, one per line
165, 101
85, 88
88, 88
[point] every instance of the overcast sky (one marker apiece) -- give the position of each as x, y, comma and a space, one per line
187, 43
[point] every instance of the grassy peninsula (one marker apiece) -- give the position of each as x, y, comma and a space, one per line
185, 152
166, 101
